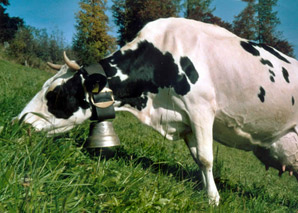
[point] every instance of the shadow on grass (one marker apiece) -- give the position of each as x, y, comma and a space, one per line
181, 173
175, 170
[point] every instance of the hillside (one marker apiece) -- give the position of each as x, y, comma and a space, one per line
146, 174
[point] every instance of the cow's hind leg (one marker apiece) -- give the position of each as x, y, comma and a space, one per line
200, 143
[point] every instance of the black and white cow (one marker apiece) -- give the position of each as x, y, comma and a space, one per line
188, 80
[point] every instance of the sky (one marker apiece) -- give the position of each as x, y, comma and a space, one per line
60, 14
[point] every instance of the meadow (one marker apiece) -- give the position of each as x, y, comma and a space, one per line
147, 173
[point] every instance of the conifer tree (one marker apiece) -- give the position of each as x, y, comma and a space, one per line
92, 41
8, 25
267, 21
258, 21
198, 9
131, 15
267, 24
201, 10
245, 23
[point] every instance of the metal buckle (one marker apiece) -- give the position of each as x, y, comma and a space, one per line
104, 104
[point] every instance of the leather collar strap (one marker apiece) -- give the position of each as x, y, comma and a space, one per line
95, 69
101, 97
95, 77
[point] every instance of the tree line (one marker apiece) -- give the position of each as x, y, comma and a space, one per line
258, 21
28, 45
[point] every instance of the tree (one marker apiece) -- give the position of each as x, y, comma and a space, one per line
267, 21
200, 10
4, 2
284, 46
8, 25
56, 45
33, 47
258, 22
131, 15
245, 24
92, 41
22, 46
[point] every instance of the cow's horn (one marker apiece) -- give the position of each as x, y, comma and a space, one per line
54, 66
73, 65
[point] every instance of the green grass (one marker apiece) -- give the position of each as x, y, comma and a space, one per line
146, 174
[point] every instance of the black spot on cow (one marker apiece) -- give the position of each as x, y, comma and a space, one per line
107, 67
148, 69
249, 48
182, 85
261, 95
188, 67
270, 50
272, 75
293, 101
266, 62
138, 103
285, 74
274, 52
128, 95
67, 98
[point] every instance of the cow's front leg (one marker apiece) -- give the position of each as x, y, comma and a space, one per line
200, 145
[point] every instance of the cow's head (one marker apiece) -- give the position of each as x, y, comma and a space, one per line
62, 102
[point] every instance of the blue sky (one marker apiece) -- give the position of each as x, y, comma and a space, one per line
60, 14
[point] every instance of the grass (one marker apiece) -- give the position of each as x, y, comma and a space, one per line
145, 174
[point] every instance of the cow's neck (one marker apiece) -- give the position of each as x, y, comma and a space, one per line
133, 74
130, 77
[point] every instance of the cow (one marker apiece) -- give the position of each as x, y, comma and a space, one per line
193, 81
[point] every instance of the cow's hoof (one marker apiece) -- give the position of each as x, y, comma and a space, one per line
214, 200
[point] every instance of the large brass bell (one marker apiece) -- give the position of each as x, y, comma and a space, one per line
102, 134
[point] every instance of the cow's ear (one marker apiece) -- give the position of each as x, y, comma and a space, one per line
95, 83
